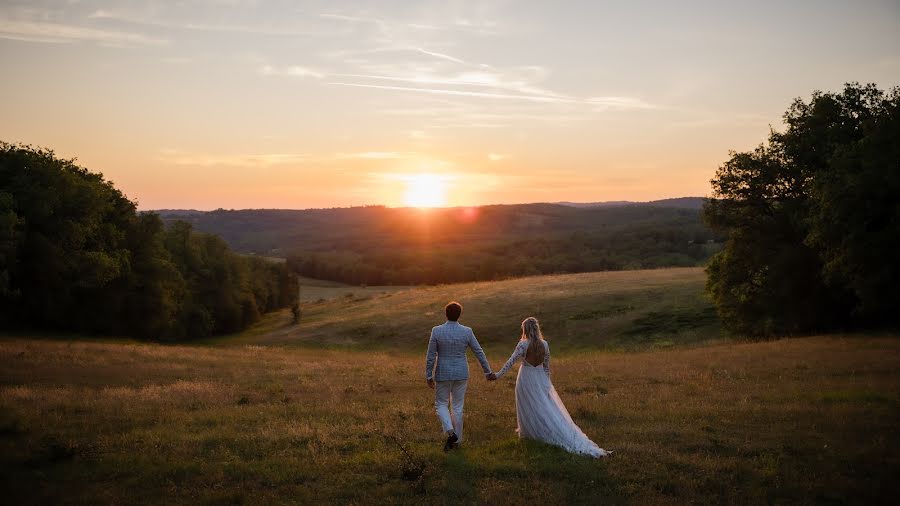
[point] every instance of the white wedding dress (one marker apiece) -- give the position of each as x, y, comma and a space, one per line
540, 412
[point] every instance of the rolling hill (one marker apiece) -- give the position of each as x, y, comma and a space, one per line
401, 246
621, 310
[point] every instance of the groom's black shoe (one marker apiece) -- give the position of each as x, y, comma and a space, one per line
451, 442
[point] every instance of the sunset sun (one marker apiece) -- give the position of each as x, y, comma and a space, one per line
425, 190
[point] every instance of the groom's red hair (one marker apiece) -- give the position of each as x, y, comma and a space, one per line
453, 310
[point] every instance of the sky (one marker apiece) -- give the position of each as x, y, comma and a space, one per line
303, 104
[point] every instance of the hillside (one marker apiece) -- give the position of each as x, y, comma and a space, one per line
386, 246
92, 423
627, 310
678, 202
268, 231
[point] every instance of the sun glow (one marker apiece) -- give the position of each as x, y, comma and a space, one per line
425, 190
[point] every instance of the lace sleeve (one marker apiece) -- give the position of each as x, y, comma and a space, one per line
518, 353
547, 358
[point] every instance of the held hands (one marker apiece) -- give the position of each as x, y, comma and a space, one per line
430, 382
491, 376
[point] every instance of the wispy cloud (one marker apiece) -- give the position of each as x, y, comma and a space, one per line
177, 157
459, 93
597, 103
352, 19
378, 155
477, 79
151, 18
386, 25
441, 56
606, 103
453, 76
466, 115
291, 70
60, 33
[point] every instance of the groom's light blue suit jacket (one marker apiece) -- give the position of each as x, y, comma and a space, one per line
447, 346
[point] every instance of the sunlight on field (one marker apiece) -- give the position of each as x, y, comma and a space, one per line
619, 310
796, 420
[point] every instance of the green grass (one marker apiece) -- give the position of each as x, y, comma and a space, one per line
623, 310
808, 420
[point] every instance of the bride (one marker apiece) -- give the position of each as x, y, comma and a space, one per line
540, 412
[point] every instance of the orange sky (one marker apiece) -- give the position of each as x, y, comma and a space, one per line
280, 104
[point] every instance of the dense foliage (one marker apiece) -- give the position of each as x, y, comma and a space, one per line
378, 245
813, 219
76, 255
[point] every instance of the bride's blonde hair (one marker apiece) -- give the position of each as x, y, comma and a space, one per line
531, 331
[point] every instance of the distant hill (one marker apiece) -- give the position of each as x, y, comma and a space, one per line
613, 203
379, 245
679, 203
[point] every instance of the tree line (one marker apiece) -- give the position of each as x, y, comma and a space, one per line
388, 246
634, 248
812, 218
76, 255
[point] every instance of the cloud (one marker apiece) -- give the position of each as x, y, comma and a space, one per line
59, 33
292, 70
351, 19
453, 76
494, 157
605, 103
386, 25
441, 56
177, 157
462, 93
149, 18
378, 155
403, 176
478, 79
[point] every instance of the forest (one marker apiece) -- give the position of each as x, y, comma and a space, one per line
377, 245
77, 256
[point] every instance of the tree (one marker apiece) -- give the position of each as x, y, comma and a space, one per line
854, 218
76, 255
811, 218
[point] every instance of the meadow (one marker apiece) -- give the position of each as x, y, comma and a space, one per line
614, 311
332, 411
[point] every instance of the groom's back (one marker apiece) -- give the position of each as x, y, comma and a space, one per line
452, 337
451, 340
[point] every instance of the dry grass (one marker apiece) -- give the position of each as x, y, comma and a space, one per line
792, 421
624, 310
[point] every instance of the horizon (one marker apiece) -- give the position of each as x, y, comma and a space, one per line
424, 208
277, 105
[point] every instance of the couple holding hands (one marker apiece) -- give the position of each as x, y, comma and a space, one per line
540, 413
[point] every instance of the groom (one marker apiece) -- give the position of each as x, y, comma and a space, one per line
448, 345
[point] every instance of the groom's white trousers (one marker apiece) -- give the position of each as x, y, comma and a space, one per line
447, 393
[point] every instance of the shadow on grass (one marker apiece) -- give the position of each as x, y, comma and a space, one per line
518, 471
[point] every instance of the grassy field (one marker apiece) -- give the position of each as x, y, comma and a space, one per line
335, 410
320, 290
809, 420
622, 310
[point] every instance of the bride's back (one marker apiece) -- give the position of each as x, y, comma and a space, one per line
536, 349
535, 355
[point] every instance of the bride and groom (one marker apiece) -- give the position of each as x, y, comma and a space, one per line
540, 412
